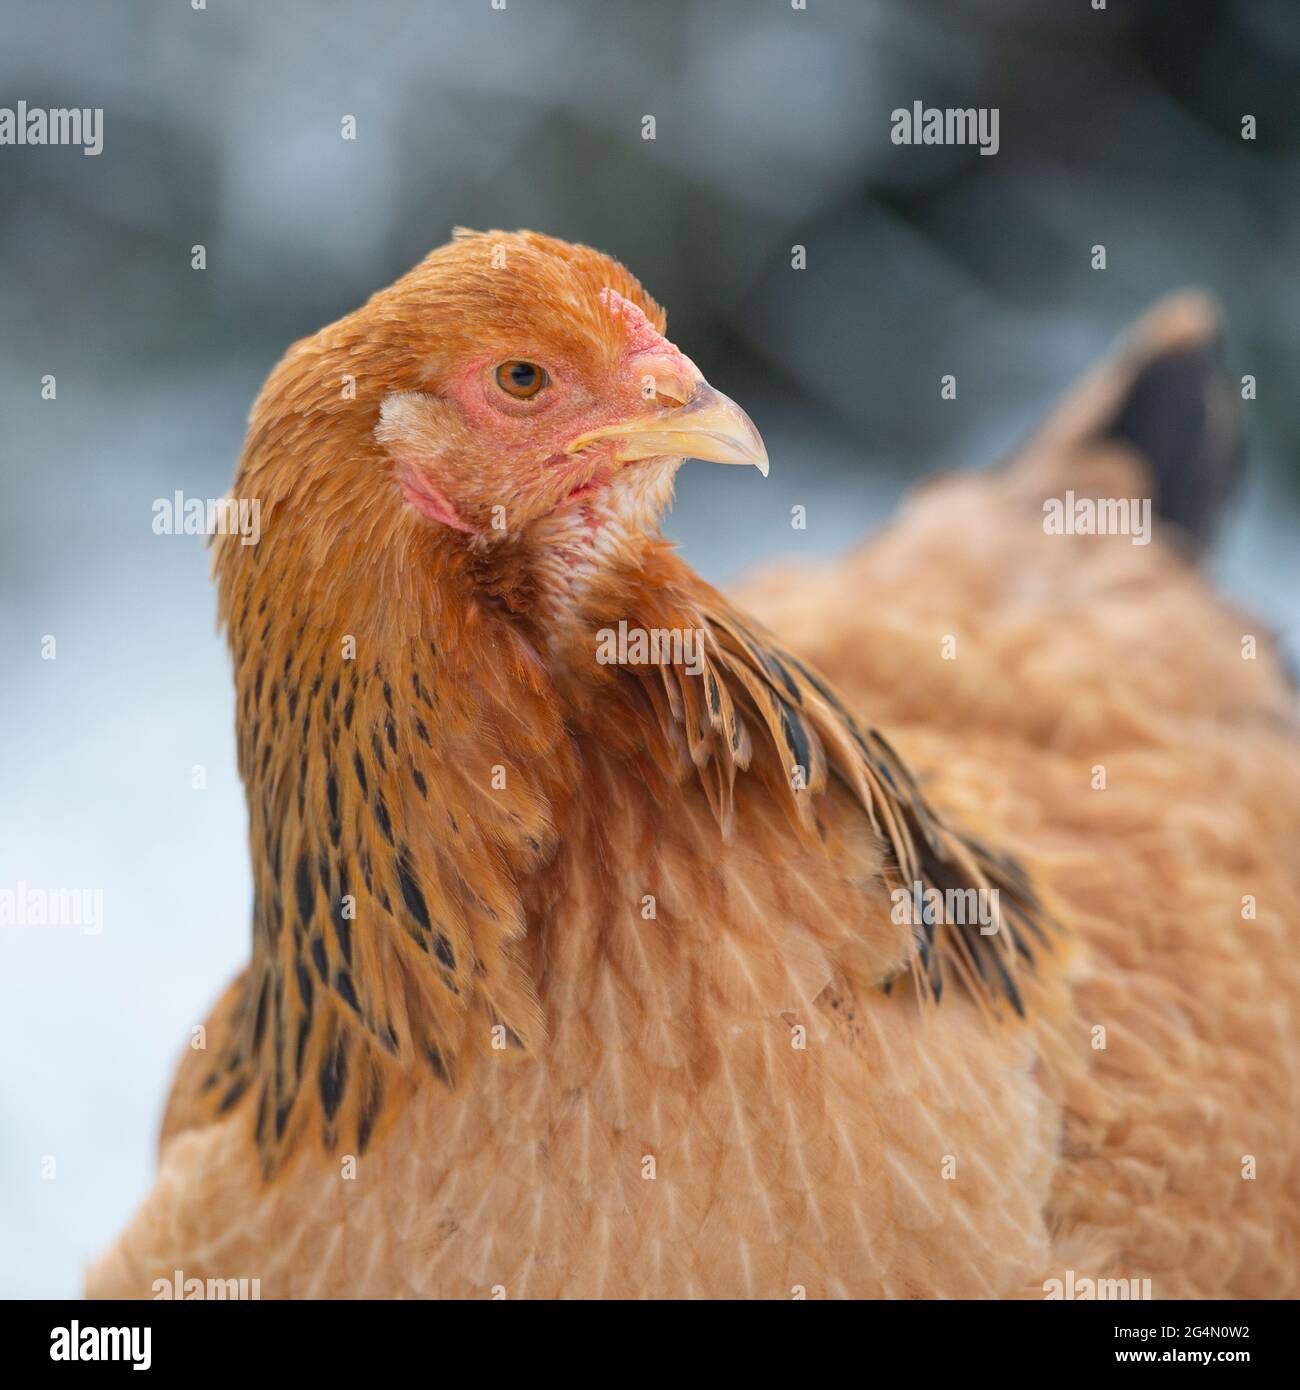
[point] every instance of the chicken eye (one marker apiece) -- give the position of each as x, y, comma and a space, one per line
521, 379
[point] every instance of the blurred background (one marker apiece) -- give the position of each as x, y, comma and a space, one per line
222, 127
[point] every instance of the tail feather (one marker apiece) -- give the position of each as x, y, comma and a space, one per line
1164, 398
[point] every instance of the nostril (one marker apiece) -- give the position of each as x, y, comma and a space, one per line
664, 386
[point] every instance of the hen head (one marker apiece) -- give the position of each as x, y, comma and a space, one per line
549, 385
509, 380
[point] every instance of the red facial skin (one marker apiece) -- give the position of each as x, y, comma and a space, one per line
519, 447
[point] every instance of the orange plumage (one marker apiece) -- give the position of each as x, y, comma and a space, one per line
584, 978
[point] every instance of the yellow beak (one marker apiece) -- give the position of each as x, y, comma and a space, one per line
707, 426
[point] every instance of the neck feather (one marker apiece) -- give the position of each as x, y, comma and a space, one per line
404, 759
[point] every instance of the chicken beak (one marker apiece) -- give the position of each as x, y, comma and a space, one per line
707, 426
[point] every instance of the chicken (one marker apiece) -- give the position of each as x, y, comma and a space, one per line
935, 939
